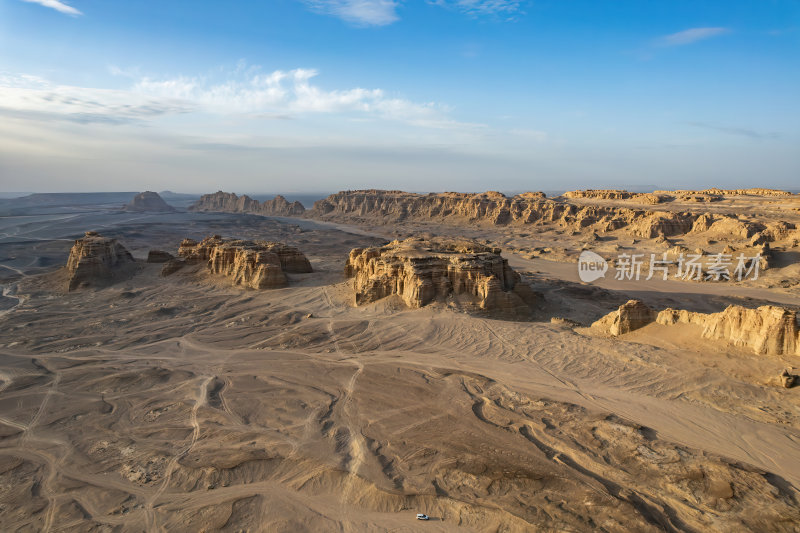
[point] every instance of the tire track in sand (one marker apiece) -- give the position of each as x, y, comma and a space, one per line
200, 400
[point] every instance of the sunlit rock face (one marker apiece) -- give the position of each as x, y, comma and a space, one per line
422, 271
96, 261
767, 330
574, 212
254, 264
630, 316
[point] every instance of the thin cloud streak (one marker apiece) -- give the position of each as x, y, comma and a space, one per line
692, 35
359, 12
482, 7
57, 5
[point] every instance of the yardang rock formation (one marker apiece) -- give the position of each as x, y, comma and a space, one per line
255, 264
767, 330
95, 260
494, 208
421, 271
227, 202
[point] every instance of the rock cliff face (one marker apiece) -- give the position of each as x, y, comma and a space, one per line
422, 271
255, 264
227, 202
768, 330
148, 201
497, 209
494, 208
630, 316
95, 260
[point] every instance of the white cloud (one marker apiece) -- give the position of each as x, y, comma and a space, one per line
690, 36
57, 5
244, 92
360, 12
283, 93
482, 7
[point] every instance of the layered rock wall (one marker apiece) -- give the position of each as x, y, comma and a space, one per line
226, 202
95, 260
421, 272
255, 264
630, 316
493, 208
767, 330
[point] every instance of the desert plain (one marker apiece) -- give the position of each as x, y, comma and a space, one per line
186, 400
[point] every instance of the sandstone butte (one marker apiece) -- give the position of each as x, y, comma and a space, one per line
255, 264
767, 330
422, 271
148, 201
227, 202
494, 208
95, 260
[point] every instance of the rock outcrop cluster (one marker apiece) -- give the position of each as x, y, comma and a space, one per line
494, 208
95, 260
422, 271
148, 201
255, 264
227, 202
767, 330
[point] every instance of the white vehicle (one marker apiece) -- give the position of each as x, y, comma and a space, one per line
421, 516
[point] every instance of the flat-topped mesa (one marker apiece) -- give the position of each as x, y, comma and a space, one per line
95, 260
767, 330
422, 271
148, 201
255, 264
228, 202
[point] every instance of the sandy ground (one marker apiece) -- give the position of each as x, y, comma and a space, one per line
184, 404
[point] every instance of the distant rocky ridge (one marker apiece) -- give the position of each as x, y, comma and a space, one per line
227, 202
615, 194
255, 264
95, 260
148, 201
494, 208
768, 330
422, 271
755, 191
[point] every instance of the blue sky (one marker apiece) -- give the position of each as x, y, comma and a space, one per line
322, 95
